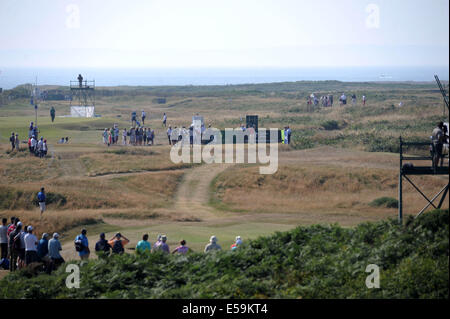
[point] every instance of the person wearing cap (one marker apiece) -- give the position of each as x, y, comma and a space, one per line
31, 243
54, 247
117, 243
85, 252
182, 249
236, 243
41, 199
14, 246
162, 245
143, 245
42, 248
102, 246
212, 245
157, 243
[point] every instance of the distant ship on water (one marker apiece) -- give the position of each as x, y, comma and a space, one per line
384, 76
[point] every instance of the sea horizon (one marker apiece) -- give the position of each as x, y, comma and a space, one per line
12, 77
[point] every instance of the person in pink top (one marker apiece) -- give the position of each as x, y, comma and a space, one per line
182, 249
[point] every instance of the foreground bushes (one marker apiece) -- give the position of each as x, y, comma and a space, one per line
307, 262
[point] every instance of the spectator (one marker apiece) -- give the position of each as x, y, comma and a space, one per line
105, 137
212, 245
353, 99
289, 132
182, 249
364, 100
143, 115
19, 244
52, 113
42, 248
236, 243
41, 198
102, 246
164, 119
162, 245
143, 245
44, 148
12, 140
118, 243
31, 243
157, 243
438, 143
133, 118
116, 134
4, 239
39, 147
17, 142
124, 136
33, 144
12, 226
343, 99
14, 246
152, 137
54, 247
82, 245
169, 134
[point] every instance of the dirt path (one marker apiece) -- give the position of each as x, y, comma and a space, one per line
192, 198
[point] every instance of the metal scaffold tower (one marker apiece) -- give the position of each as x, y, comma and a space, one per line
82, 98
409, 169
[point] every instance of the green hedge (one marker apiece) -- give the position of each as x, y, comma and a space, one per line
307, 262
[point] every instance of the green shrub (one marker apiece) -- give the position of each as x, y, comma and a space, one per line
307, 262
388, 202
330, 125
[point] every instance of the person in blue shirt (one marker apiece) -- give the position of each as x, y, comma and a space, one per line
54, 247
85, 252
143, 245
42, 247
41, 199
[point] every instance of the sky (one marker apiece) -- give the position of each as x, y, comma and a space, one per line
223, 33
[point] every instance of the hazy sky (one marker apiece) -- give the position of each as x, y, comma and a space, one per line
225, 33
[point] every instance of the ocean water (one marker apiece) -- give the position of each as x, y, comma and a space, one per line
11, 77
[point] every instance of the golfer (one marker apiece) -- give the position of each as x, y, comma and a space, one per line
41, 199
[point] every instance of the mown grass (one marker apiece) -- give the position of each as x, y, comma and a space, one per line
307, 262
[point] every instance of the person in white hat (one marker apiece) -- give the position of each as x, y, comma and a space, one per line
212, 244
31, 243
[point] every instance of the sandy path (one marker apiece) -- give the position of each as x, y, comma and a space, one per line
192, 197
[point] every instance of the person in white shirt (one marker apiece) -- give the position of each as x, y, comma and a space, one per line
39, 147
30, 246
44, 148
164, 119
364, 100
33, 144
